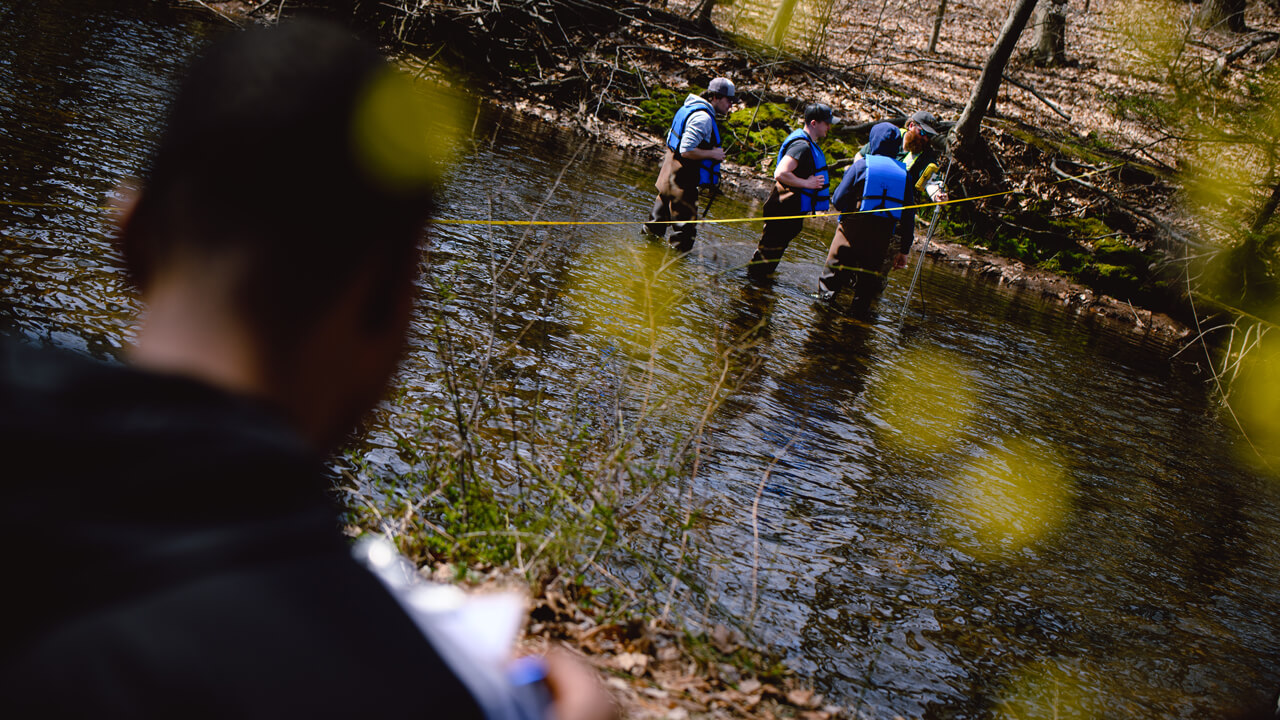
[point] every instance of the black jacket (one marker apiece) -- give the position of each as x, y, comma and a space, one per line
170, 551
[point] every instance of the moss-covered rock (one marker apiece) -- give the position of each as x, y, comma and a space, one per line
759, 130
656, 112
1115, 252
1118, 281
763, 115
836, 149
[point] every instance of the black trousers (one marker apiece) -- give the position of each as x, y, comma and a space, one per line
680, 207
860, 256
777, 233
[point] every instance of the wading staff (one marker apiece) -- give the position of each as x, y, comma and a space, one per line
933, 222
713, 192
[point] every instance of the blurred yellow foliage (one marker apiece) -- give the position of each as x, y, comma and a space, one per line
1149, 34
627, 293
1255, 400
1050, 691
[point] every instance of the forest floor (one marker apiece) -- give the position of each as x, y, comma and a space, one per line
874, 64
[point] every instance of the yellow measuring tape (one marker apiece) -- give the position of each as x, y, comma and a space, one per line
53, 205
446, 221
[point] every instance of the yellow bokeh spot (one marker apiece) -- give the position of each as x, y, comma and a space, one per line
628, 294
1255, 400
1050, 691
1148, 33
926, 399
1013, 497
404, 131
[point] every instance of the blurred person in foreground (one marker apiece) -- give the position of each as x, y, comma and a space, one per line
171, 547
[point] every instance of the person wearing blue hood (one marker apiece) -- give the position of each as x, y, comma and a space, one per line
691, 160
918, 151
800, 187
874, 198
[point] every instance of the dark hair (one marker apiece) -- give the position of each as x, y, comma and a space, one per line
258, 162
819, 112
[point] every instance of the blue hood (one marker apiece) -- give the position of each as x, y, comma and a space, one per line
886, 139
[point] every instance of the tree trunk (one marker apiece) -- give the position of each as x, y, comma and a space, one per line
1222, 13
1051, 34
702, 13
937, 26
965, 135
1267, 211
781, 21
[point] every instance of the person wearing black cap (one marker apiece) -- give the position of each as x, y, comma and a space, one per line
875, 198
917, 151
691, 160
800, 187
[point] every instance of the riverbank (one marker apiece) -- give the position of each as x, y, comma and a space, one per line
1100, 246
750, 464
614, 73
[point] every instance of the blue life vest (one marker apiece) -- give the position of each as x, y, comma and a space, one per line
708, 170
885, 187
810, 200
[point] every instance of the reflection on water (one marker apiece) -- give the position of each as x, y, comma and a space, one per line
84, 85
1001, 505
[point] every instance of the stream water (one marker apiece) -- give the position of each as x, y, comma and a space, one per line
1001, 509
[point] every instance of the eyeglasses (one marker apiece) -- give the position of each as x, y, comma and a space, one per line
924, 133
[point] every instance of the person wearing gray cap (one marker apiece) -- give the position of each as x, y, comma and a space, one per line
917, 152
690, 161
800, 186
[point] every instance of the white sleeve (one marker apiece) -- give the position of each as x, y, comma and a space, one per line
473, 634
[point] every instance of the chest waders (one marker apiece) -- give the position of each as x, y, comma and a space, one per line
679, 181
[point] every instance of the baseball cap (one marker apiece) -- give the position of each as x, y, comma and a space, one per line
821, 113
927, 122
721, 85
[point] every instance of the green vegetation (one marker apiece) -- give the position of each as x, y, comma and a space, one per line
709, 654
445, 510
656, 112
483, 473
1085, 249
